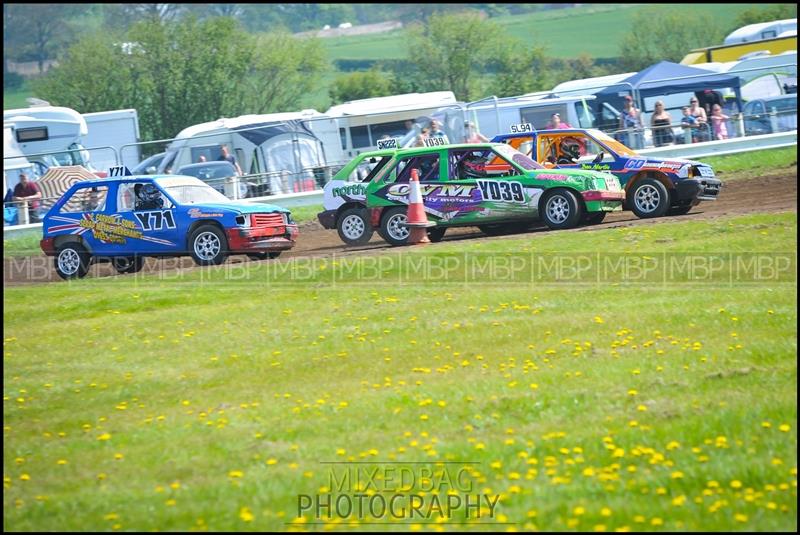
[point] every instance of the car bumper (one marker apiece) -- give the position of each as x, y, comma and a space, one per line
48, 246
327, 218
603, 195
263, 240
697, 189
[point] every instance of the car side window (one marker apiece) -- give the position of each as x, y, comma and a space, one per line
135, 196
86, 199
426, 164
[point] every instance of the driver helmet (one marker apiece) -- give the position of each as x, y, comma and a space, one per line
150, 195
570, 149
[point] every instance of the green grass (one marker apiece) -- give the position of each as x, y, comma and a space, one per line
739, 166
202, 402
596, 30
13, 99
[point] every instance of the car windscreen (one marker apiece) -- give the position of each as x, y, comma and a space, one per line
195, 194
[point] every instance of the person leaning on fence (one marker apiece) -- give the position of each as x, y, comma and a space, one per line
688, 123
228, 157
630, 122
473, 136
660, 123
701, 132
718, 122
30, 192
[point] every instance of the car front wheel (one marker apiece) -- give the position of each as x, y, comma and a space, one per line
561, 209
208, 245
648, 198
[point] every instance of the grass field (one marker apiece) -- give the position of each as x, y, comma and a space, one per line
600, 29
202, 402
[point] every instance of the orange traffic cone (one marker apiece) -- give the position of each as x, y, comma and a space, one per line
417, 220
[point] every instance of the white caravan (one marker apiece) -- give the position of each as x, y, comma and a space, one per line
49, 136
115, 129
14, 162
293, 149
762, 30
363, 122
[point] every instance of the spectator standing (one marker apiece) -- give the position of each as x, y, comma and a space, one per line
630, 122
701, 118
228, 157
473, 136
436, 129
556, 123
718, 122
689, 124
30, 192
660, 123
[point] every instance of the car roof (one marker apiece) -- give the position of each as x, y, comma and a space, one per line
205, 164
423, 150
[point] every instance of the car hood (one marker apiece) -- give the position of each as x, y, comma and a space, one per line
242, 208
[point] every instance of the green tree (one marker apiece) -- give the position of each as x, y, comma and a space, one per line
666, 34
451, 50
284, 70
519, 69
38, 31
358, 85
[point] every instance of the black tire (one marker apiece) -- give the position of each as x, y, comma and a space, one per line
679, 210
353, 226
435, 234
594, 218
390, 229
128, 264
263, 256
208, 245
72, 261
648, 198
560, 209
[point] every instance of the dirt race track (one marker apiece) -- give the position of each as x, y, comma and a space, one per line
769, 193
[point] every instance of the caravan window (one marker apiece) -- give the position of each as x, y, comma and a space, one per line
393, 129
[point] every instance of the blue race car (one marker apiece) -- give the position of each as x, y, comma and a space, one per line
654, 186
125, 219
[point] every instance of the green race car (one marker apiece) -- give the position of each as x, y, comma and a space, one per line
489, 185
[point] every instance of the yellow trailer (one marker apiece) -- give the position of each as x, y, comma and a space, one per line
722, 53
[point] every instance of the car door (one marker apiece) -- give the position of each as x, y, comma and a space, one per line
394, 186
154, 220
84, 213
488, 187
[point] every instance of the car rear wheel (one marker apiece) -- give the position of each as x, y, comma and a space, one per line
393, 229
72, 261
128, 264
208, 245
561, 209
648, 198
354, 227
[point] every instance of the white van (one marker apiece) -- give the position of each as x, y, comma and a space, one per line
14, 162
116, 129
495, 116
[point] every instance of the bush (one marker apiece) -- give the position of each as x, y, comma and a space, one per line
12, 80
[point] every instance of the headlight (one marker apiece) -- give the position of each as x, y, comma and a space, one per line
289, 220
243, 220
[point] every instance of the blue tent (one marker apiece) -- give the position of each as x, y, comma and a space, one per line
666, 78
